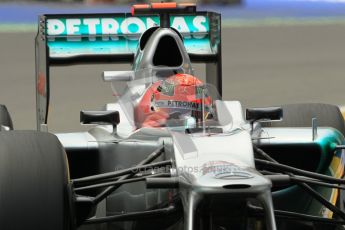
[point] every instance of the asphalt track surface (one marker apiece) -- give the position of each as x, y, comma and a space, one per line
262, 66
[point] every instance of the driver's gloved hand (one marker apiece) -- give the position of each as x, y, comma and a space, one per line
156, 119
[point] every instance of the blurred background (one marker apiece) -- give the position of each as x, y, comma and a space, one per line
274, 52
122, 1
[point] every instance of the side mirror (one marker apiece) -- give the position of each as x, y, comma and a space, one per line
118, 75
100, 117
264, 114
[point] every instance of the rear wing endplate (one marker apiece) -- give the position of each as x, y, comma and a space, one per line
113, 38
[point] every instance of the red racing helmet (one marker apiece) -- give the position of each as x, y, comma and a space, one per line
177, 97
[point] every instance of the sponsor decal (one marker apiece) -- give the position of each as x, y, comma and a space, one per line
112, 28
225, 170
166, 88
184, 104
200, 91
180, 105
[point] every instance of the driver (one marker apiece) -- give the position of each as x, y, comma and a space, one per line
177, 98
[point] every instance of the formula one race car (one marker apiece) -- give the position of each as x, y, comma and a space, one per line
169, 154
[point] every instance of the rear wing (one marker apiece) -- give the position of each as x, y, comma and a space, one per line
113, 38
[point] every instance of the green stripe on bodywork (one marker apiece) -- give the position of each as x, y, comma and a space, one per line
120, 46
327, 144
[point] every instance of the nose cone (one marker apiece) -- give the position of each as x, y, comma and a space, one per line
227, 185
229, 178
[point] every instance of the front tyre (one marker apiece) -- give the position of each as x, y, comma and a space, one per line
33, 182
300, 115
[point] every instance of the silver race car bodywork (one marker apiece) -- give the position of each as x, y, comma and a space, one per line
217, 175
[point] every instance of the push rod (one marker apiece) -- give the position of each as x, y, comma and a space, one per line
119, 173
133, 216
130, 174
286, 168
121, 182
